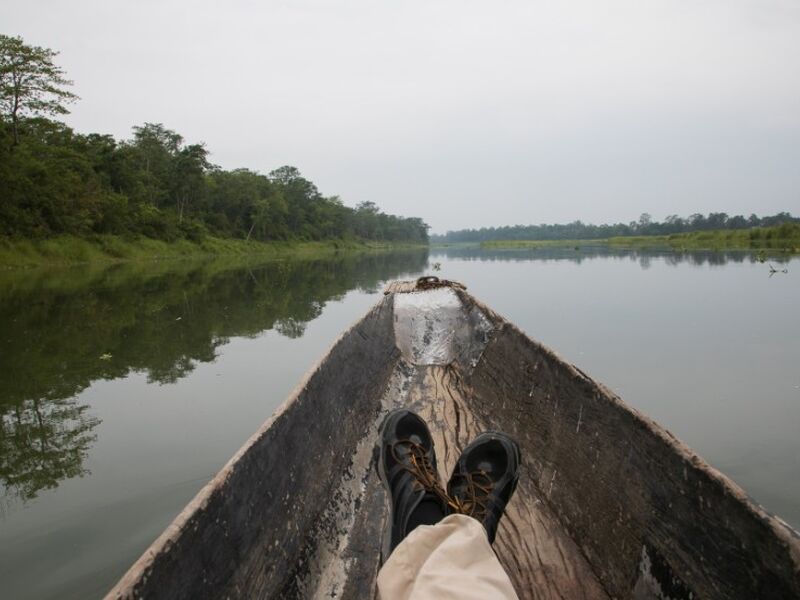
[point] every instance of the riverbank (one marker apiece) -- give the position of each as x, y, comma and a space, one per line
782, 238
71, 250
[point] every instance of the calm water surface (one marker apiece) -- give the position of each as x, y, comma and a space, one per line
123, 390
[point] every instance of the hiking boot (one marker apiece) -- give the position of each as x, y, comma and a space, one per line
484, 479
407, 467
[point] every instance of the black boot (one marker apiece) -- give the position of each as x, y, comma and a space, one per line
484, 479
407, 466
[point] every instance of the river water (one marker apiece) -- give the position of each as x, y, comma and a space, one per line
124, 389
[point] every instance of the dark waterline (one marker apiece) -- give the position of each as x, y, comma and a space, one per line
124, 389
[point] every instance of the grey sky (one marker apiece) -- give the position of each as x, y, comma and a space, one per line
464, 113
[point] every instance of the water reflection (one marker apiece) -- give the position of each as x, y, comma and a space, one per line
62, 330
579, 254
43, 441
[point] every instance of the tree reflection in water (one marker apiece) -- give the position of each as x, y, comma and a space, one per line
64, 329
42, 442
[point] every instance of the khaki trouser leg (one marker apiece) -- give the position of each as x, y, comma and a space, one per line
452, 559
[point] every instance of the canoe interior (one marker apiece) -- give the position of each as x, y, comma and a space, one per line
609, 504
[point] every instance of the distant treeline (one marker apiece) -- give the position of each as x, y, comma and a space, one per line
56, 181
578, 230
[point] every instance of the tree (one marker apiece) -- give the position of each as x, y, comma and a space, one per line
301, 196
717, 220
674, 224
154, 148
645, 220
285, 175
191, 163
30, 83
696, 221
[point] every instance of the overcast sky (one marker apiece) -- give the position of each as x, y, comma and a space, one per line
465, 113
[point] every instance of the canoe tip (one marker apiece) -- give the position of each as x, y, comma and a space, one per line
422, 284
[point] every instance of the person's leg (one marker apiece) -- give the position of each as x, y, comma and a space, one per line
407, 467
427, 554
452, 560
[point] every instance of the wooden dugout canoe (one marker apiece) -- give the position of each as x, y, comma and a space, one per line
609, 504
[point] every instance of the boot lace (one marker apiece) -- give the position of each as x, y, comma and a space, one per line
474, 501
477, 485
417, 462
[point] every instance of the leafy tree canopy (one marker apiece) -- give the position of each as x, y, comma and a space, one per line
30, 83
55, 181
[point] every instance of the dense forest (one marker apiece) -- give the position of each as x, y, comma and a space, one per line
54, 180
578, 230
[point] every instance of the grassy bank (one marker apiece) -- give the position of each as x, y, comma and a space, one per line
70, 250
782, 238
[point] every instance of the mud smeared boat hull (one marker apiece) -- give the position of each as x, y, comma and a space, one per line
609, 504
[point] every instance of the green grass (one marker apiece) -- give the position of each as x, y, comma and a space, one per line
783, 238
71, 250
